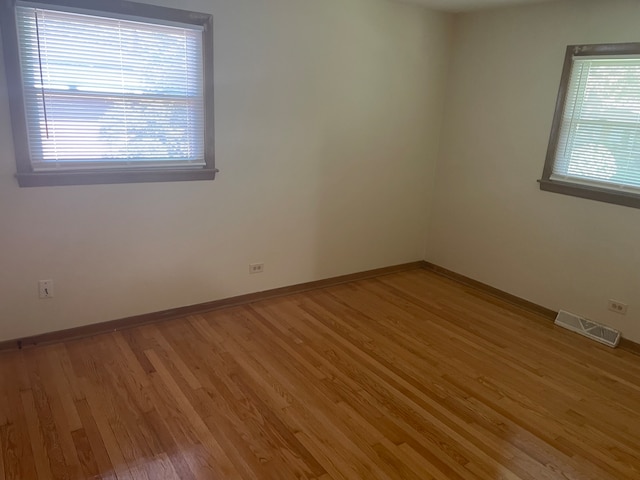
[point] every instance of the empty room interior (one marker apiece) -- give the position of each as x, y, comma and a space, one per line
322, 240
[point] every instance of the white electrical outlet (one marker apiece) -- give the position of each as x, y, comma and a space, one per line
618, 307
45, 288
256, 267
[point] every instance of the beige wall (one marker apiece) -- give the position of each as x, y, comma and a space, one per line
327, 125
327, 128
490, 220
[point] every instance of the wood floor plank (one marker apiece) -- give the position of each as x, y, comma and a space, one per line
407, 376
14, 434
385, 399
236, 410
94, 411
51, 411
167, 441
304, 410
64, 390
17, 456
377, 364
41, 458
2, 472
98, 452
207, 438
114, 442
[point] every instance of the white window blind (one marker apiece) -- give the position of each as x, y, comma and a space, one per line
110, 93
599, 141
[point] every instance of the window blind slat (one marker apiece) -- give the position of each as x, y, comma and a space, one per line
599, 139
110, 93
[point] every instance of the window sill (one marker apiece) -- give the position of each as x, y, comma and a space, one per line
627, 199
43, 179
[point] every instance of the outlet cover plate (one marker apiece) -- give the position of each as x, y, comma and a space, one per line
256, 267
45, 289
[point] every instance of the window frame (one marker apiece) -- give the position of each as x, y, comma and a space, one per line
26, 175
591, 192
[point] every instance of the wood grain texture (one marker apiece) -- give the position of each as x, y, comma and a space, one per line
410, 375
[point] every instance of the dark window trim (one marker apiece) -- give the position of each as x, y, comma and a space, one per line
26, 176
601, 194
592, 193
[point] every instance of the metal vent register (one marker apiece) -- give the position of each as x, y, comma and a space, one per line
595, 331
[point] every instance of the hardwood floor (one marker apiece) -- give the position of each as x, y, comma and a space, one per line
406, 376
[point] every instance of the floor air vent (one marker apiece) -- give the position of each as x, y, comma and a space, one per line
595, 331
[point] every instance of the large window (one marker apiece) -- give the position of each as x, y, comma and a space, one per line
108, 91
594, 151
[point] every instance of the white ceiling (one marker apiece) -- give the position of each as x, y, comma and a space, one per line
465, 5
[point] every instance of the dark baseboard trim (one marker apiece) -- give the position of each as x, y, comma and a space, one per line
494, 292
630, 346
147, 318
625, 344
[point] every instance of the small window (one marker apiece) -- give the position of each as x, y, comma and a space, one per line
594, 150
109, 92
